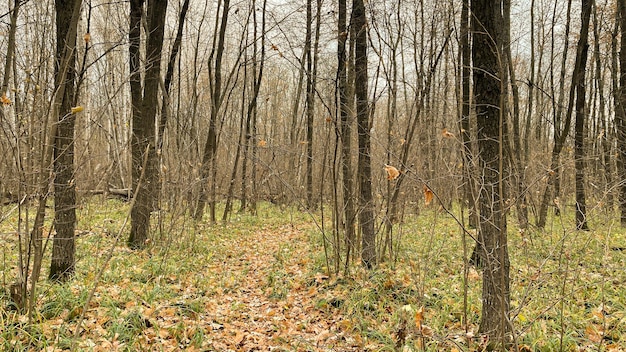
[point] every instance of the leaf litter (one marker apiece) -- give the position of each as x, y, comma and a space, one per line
261, 285
247, 291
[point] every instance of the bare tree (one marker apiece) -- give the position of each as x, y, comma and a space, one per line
62, 263
207, 194
366, 201
345, 121
167, 83
144, 99
581, 115
561, 128
469, 186
620, 113
488, 77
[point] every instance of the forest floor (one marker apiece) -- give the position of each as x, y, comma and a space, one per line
261, 283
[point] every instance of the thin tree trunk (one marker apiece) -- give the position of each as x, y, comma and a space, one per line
47, 161
606, 130
531, 85
8, 63
345, 135
366, 201
251, 120
552, 189
469, 186
620, 114
241, 147
516, 153
310, 107
63, 250
210, 147
579, 153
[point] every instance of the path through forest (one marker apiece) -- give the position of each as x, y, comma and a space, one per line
268, 299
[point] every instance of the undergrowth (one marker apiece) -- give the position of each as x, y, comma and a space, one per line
213, 287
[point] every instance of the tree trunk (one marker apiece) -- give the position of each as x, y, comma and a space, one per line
345, 135
552, 189
469, 187
166, 100
251, 111
582, 51
605, 129
516, 153
8, 64
487, 90
210, 147
63, 250
310, 108
366, 201
531, 85
144, 132
620, 114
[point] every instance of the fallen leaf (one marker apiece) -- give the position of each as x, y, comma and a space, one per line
473, 274
419, 317
426, 331
238, 339
593, 334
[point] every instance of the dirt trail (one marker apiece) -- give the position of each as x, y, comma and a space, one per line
267, 300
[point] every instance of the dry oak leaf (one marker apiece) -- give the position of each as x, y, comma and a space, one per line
77, 109
87, 37
428, 195
595, 335
447, 134
419, 317
262, 143
4, 100
392, 172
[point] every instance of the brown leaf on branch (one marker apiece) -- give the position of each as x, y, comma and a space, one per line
4, 100
428, 195
392, 172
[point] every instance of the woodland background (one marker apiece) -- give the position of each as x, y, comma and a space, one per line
361, 115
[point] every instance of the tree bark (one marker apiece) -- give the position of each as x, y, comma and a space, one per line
63, 250
144, 132
605, 126
620, 114
310, 107
579, 125
469, 186
487, 73
345, 135
366, 201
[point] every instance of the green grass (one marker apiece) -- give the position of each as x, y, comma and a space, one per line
566, 285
